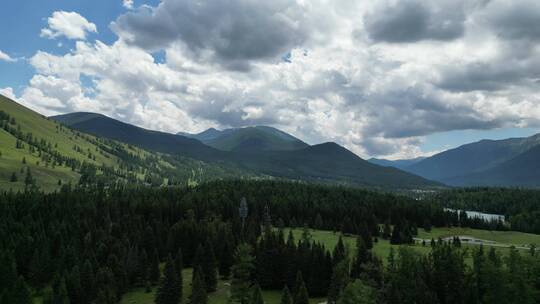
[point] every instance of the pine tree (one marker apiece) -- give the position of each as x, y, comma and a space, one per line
20, 293
340, 279
198, 289
88, 282
59, 293
256, 296
74, 287
301, 296
396, 235
209, 267
169, 288
179, 261
358, 293
226, 260
153, 271
339, 251
28, 180
13, 177
242, 272
297, 283
286, 296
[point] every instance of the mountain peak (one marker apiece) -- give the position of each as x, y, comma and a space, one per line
250, 138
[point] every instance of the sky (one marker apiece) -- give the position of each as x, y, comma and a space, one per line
390, 79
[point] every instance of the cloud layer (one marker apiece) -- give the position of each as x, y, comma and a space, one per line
376, 78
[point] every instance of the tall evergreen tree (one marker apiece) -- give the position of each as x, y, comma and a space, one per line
226, 259
340, 279
286, 296
169, 288
339, 251
198, 289
242, 272
20, 294
256, 296
153, 270
209, 267
301, 296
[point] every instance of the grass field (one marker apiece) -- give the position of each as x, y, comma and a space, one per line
73, 145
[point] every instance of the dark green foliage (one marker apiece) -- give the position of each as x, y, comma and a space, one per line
19, 294
520, 204
340, 279
209, 267
226, 259
169, 290
58, 294
301, 293
256, 296
286, 296
154, 272
91, 245
339, 251
198, 289
358, 293
242, 271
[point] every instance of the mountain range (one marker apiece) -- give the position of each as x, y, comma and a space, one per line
131, 153
258, 150
507, 162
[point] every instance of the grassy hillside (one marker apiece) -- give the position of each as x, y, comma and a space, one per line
103, 126
55, 155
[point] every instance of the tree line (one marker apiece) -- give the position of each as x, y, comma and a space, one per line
92, 244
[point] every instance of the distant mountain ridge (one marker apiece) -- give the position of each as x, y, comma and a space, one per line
507, 162
259, 150
102, 125
399, 163
257, 138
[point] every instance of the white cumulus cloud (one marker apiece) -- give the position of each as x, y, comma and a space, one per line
6, 57
68, 24
128, 4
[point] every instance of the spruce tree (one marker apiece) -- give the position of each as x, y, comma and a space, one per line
301, 296
340, 279
169, 288
226, 260
209, 267
286, 296
20, 293
339, 251
256, 296
242, 272
153, 271
198, 289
